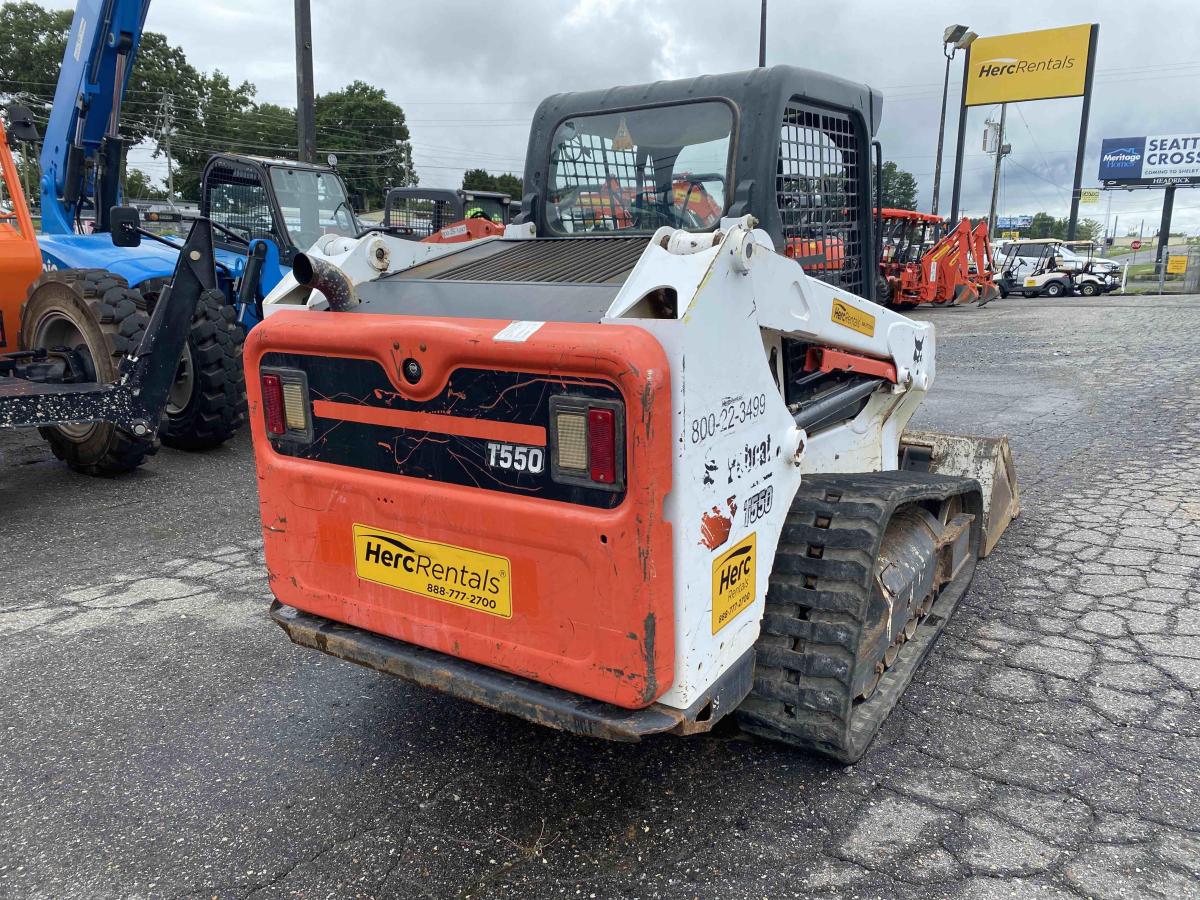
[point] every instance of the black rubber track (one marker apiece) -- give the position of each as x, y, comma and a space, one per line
118, 310
819, 600
217, 406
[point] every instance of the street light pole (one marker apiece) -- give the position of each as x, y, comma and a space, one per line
762, 37
954, 38
937, 166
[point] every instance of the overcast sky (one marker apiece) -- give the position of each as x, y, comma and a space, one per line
468, 73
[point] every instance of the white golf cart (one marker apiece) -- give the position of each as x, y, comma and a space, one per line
1047, 267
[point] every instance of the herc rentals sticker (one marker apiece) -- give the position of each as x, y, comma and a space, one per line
443, 572
853, 318
732, 583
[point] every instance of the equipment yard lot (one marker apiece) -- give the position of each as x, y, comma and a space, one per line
163, 738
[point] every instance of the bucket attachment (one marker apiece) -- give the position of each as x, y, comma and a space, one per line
987, 460
988, 294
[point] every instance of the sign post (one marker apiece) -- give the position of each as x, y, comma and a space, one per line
1164, 232
1073, 223
1032, 65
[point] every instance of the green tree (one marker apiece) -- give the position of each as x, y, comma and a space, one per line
482, 180
510, 184
369, 135
208, 112
899, 187
33, 41
1089, 230
478, 180
139, 186
211, 116
1044, 225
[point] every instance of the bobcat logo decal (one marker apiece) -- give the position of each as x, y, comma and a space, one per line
918, 349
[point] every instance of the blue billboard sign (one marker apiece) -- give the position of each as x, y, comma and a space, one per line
1158, 159
1010, 223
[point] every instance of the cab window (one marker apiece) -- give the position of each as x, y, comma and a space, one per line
635, 171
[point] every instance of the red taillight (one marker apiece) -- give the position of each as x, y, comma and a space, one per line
602, 445
272, 394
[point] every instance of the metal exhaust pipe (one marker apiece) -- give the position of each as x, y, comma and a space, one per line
327, 278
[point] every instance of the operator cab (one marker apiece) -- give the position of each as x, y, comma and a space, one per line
290, 203
624, 162
415, 213
907, 235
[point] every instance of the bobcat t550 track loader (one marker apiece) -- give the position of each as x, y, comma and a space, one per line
628, 469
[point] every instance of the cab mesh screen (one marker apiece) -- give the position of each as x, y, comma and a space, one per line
238, 200
418, 216
817, 189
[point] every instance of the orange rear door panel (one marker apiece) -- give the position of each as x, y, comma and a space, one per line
591, 576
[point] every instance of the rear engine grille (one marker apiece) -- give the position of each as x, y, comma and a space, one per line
561, 260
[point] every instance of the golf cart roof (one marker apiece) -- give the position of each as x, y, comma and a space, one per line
1037, 241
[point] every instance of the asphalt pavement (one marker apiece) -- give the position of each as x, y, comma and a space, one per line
160, 737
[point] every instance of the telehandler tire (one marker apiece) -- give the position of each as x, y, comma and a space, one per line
98, 314
207, 402
835, 653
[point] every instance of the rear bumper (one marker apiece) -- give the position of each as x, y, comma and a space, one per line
494, 689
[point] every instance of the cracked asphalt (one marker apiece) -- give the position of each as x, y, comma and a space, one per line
161, 738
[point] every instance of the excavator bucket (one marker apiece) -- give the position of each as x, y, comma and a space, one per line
986, 459
964, 294
988, 294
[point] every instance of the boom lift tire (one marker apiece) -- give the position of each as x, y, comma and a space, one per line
97, 313
826, 676
207, 403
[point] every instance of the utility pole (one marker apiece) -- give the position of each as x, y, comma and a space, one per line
762, 37
306, 124
1000, 153
167, 113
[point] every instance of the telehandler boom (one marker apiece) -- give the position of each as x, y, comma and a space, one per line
619, 473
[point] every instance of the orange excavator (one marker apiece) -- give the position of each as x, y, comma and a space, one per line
921, 265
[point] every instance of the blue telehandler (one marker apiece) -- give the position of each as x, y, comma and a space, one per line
263, 212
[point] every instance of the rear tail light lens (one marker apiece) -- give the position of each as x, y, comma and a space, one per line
272, 391
571, 446
587, 442
295, 406
602, 449
286, 405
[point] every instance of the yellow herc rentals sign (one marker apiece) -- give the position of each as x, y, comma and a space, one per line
1032, 65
